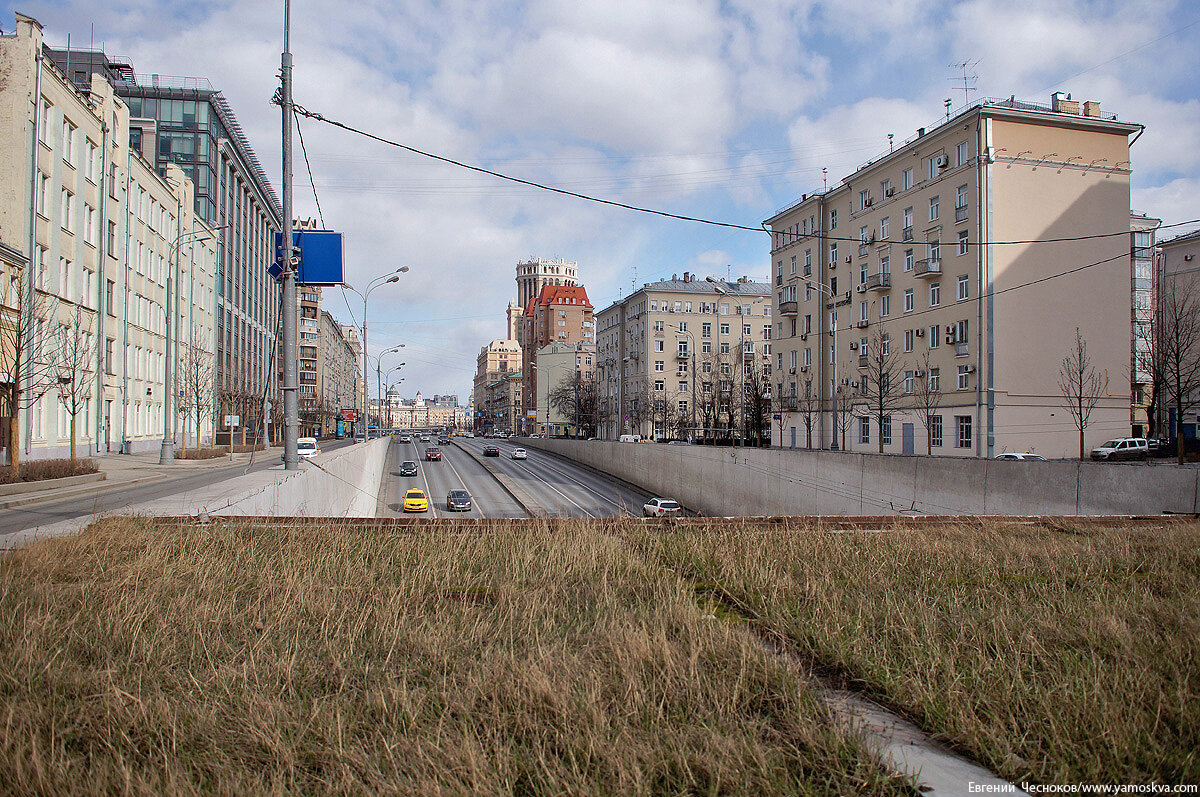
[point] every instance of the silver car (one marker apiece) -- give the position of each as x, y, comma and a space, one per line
458, 501
660, 507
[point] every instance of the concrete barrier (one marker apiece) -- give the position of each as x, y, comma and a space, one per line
747, 481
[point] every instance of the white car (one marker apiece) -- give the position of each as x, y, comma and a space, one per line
519, 453
1122, 448
658, 507
1014, 455
306, 447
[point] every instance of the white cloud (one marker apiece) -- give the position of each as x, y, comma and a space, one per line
1173, 202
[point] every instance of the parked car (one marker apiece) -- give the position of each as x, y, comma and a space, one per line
519, 453
491, 451
1122, 448
658, 507
408, 468
1014, 455
433, 454
360, 438
631, 438
416, 501
306, 447
458, 501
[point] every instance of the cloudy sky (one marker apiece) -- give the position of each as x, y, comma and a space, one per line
724, 110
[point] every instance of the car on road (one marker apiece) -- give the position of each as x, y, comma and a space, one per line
306, 447
443, 441
458, 501
660, 507
405, 438
491, 451
416, 501
408, 468
1022, 455
519, 453
433, 454
1121, 448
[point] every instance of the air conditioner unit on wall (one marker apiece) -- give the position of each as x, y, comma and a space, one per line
919, 332
804, 369
943, 161
970, 369
861, 288
890, 192
849, 259
803, 336
853, 346
918, 374
950, 334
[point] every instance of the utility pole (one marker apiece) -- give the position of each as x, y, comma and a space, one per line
291, 375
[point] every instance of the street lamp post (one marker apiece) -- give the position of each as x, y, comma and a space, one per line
821, 288
383, 393
692, 341
383, 279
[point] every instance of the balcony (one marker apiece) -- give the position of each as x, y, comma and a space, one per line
961, 349
862, 360
862, 324
960, 214
682, 354
878, 282
928, 268
908, 233
789, 308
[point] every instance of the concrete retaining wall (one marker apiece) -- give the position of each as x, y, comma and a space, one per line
747, 481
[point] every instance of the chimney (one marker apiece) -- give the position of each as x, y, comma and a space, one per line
920, 132
1091, 108
674, 277
687, 277
1061, 103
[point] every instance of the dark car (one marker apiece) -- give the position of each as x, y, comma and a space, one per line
491, 451
433, 454
443, 441
408, 468
458, 501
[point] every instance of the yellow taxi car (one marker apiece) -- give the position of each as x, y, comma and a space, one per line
416, 501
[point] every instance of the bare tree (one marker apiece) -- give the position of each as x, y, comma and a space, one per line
928, 397
783, 404
756, 401
75, 355
1176, 349
843, 401
196, 386
808, 403
575, 398
26, 362
1081, 386
881, 380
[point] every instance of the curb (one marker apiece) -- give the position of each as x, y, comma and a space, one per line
518, 493
20, 488
70, 492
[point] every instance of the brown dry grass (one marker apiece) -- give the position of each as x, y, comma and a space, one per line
1062, 652
41, 469
546, 659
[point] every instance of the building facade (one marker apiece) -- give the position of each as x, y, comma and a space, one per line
495, 361
185, 121
558, 314
1142, 256
113, 254
556, 364
965, 251
339, 371
503, 408
1178, 270
537, 272
674, 357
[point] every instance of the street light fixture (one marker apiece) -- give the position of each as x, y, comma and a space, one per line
381, 280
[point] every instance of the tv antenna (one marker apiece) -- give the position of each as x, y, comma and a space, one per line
968, 79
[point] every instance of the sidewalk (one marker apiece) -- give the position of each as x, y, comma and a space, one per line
126, 470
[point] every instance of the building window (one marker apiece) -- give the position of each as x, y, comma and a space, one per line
683, 387
883, 228
906, 179
934, 208
909, 338
885, 306
864, 430
864, 199
659, 385
885, 345
885, 430
67, 217
807, 262
935, 431
960, 153
935, 294
935, 337
964, 378
833, 219
960, 204
908, 380
935, 250
964, 437
964, 291
659, 365
908, 224
963, 244
862, 311
724, 329
833, 254
109, 343
683, 326
658, 345
706, 330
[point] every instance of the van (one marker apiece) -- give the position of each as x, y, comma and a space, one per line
631, 438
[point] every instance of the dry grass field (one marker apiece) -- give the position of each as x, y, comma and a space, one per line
545, 658
1059, 652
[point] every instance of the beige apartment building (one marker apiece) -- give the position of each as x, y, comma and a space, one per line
495, 361
339, 371
100, 236
674, 357
966, 252
557, 363
558, 314
503, 407
1142, 255
1178, 269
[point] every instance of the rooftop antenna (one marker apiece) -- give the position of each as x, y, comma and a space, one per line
968, 79
948, 102
890, 137
825, 177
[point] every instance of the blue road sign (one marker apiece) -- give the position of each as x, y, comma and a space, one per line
320, 257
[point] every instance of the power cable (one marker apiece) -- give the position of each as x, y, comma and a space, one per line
311, 181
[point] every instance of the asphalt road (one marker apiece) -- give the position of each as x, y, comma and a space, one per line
562, 487
456, 470
53, 511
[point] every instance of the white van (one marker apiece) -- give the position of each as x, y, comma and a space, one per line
631, 438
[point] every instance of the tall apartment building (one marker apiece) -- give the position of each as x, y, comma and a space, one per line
966, 248
339, 372
495, 361
185, 121
1142, 256
1178, 269
558, 314
534, 273
673, 356
503, 406
557, 363
99, 233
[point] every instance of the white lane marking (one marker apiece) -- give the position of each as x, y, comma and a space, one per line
428, 492
461, 481
544, 461
546, 482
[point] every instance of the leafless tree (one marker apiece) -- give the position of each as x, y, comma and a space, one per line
575, 399
928, 397
27, 361
75, 356
756, 401
196, 386
881, 380
1081, 386
784, 402
1176, 349
808, 403
843, 401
